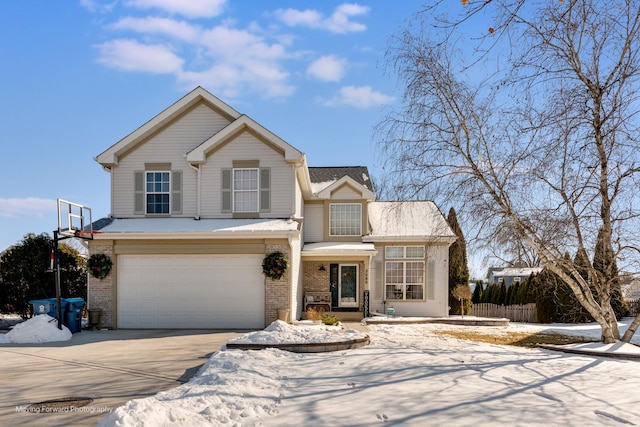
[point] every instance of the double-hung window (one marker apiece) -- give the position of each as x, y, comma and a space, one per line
404, 273
158, 192
245, 190
345, 219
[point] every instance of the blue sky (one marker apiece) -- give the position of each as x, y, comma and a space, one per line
78, 76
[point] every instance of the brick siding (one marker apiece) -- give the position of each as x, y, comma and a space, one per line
101, 292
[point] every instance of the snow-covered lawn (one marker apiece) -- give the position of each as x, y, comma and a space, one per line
408, 376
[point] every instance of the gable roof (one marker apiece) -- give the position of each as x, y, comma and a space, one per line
323, 177
408, 221
110, 155
243, 123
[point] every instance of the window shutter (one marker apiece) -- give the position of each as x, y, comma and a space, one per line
265, 189
138, 192
176, 192
379, 288
431, 280
226, 190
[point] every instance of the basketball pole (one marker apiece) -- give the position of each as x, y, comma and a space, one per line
56, 263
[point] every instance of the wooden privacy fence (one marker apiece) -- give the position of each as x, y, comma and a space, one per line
634, 306
515, 313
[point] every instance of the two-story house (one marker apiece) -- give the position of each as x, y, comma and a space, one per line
200, 194
510, 275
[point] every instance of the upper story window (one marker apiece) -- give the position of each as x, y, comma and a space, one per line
245, 190
158, 192
345, 219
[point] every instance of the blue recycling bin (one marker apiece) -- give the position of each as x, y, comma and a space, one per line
48, 306
72, 318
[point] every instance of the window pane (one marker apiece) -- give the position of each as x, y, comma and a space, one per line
394, 292
415, 251
157, 203
345, 219
245, 190
415, 292
394, 273
415, 272
158, 192
394, 252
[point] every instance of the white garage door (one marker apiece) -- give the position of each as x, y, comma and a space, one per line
195, 291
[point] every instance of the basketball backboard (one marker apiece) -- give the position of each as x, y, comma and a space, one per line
74, 220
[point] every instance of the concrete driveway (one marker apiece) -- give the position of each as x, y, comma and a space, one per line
109, 367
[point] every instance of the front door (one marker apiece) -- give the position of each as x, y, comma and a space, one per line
348, 286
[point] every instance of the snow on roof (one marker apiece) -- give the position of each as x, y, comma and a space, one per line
411, 219
190, 225
338, 248
317, 187
517, 271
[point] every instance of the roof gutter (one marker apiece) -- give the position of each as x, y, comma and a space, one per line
223, 235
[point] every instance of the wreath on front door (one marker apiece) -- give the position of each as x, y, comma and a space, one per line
275, 265
99, 265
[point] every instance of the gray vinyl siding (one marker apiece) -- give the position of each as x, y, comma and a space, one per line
436, 302
345, 193
167, 146
246, 147
313, 223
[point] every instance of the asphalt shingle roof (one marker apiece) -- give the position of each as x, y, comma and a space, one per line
359, 174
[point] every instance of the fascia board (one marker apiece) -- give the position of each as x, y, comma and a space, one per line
197, 236
428, 239
199, 154
366, 193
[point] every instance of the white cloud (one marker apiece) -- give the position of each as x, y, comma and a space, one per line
234, 61
30, 206
180, 30
188, 8
360, 97
327, 68
97, 6
129, 55
338, 22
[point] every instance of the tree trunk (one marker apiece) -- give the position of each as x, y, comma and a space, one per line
631, 329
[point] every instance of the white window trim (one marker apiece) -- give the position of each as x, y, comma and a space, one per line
404, 259
235, 191
147, 193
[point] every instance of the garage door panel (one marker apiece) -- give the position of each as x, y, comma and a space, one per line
200, 291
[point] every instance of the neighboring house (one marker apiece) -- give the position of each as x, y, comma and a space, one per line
510, 275
201, 193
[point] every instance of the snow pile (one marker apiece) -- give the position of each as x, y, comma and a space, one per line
232, 387
38, 329
280, 332
408, 376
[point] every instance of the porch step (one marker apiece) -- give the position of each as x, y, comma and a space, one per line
345, 316
348, 316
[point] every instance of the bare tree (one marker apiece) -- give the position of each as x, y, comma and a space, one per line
535, 128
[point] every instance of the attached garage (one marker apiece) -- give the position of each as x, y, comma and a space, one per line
190, 291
